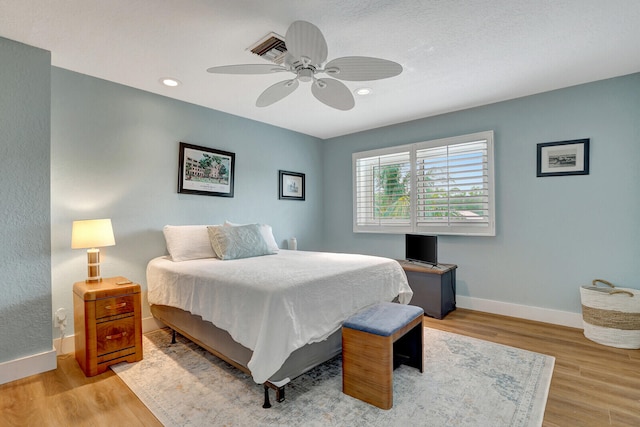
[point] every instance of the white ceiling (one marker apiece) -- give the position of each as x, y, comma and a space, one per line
456, 54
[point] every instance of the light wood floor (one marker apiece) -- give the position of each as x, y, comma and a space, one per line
592, 385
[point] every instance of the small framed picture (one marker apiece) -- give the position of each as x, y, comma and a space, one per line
205, 171
563, 158
291, 185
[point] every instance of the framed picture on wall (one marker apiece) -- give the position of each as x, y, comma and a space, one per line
563, 158
205, 171
291, 185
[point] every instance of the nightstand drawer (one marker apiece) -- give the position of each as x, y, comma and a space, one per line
114, 306
115, 335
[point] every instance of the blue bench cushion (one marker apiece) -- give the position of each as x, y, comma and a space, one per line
383, 319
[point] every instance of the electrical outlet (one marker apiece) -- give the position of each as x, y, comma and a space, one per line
60, 318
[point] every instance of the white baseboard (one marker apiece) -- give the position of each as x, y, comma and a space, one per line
26, 366
151, 324
556, 317
20, 368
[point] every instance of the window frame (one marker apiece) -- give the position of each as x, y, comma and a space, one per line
487, 228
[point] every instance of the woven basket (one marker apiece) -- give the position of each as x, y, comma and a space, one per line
611, 316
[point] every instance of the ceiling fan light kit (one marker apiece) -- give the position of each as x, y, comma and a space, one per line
306, 52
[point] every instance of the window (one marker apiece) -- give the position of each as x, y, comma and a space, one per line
443, 186
383, 184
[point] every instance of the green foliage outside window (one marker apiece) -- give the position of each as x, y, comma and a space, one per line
392, 195
391, 192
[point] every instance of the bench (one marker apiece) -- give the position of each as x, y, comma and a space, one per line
375, 341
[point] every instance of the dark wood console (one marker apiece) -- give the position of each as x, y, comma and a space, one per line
434, 289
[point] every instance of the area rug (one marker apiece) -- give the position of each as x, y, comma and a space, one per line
466, 382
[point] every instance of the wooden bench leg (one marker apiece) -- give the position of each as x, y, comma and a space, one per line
409, 349
368, 360
367, 367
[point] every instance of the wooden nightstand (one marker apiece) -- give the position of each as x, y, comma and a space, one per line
107, 323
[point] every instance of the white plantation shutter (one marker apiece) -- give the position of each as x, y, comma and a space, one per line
447, 187
382, 180
454, 186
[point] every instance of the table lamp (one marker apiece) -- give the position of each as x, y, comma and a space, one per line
92, 234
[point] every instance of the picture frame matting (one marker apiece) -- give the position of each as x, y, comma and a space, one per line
563, 158
291, 185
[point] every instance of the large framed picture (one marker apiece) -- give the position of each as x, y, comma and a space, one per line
563, 158
205, 171
291, 185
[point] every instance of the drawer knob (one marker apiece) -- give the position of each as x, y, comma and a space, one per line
117, 306
116, 336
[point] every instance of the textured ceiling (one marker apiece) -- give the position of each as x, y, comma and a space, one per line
455, 54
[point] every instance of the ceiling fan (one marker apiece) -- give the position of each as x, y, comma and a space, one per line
306, 53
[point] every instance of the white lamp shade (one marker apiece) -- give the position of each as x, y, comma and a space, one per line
92, 233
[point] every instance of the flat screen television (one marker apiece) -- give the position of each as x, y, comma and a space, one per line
422, 248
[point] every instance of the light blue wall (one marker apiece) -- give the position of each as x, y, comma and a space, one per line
25, 264
554, 234
114, 149
114, 154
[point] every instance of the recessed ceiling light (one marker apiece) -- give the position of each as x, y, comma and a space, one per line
171, 82
363, 91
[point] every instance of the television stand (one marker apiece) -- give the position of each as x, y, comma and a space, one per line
434, 289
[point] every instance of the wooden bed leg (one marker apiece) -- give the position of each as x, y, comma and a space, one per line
280, 394
266, 404
173, 336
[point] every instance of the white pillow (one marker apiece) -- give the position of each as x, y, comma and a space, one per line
243, 241
185, 242
267, 234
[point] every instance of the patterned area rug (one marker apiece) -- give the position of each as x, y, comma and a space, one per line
466, 382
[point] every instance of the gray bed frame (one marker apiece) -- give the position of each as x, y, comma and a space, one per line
219, 343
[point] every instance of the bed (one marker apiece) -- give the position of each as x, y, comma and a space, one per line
274, 315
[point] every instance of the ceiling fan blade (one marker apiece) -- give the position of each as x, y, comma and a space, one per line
361, 68
304, 39
276, 92
333, 93
246, 69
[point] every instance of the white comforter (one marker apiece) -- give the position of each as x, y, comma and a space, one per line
276, 304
